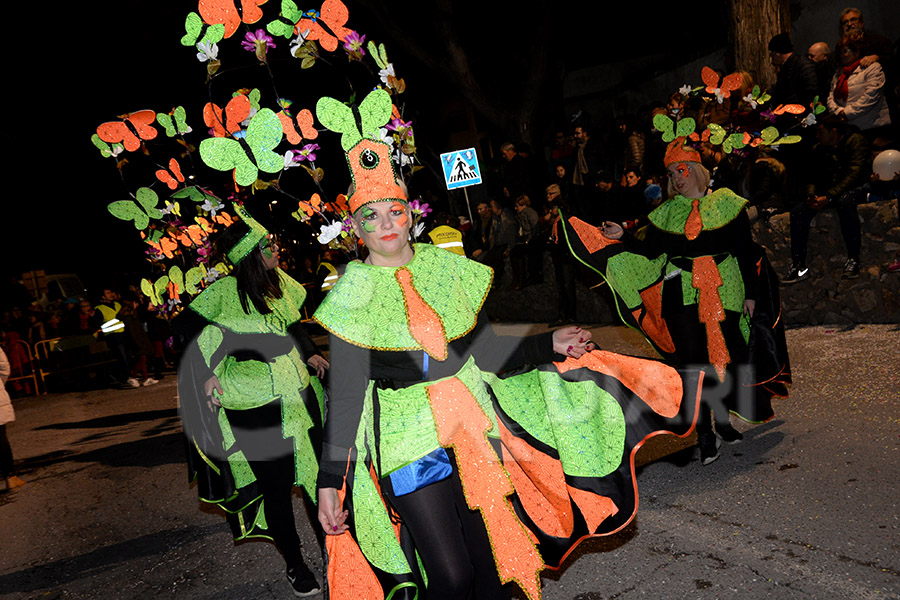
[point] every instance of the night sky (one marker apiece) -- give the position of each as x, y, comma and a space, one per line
117, 57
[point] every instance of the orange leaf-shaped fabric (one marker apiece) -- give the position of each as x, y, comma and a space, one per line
694, 224
425, 325
707, 280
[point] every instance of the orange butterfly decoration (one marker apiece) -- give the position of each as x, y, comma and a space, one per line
224, 123
165, 246
310, 208
171, 177
794, 109
729, 84
130, 131
190, 236
334, 14
303, 121
223, 218
339, 205
230, 15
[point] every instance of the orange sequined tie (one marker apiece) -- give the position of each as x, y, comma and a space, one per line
706, 280
425, 325
694, 224
462, 425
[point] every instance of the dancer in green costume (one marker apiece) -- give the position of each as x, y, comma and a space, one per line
702, 292
251, 411
439, 478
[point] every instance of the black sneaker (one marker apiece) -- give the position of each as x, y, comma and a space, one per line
303, 581
797, 273
851, 269
709, 447
728, 434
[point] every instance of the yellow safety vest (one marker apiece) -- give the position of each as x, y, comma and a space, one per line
447, 238
331, 278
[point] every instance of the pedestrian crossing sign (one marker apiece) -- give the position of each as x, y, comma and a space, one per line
461, 168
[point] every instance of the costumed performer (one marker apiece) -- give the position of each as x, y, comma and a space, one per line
440, 479
252, 413
702, 292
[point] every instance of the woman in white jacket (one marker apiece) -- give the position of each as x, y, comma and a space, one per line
7, 470
857, 92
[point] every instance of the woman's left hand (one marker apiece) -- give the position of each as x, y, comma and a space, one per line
749, 307
572, 341
318, 363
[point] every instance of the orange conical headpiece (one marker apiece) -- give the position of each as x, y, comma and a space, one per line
374, 177
677, 152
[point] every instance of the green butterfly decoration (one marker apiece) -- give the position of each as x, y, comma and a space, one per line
196, 194
287, 20
374, 111
155, 290
197, 31
758, 96
665, 125
107, 150
249, 154
818, 107
140, 211
174, 122
716, 133
379, 54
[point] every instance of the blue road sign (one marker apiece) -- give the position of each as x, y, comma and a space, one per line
461, 168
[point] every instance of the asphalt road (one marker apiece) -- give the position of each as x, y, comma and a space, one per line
806, 507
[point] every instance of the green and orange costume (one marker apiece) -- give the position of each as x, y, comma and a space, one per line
684, 288
545, 451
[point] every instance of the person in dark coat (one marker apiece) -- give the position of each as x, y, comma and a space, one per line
796, 83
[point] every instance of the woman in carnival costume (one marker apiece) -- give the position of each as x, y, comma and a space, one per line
252, 412
439, 478
702, 292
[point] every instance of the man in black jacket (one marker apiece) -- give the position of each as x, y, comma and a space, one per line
841, 166
796, 83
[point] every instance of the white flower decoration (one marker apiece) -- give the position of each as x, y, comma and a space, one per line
295, 44
749, 100
685, 90
329, 232
719, 95
385, 136
211, 275
418, 229
289, 160
207, 51
383, 73
809, 120
211, 208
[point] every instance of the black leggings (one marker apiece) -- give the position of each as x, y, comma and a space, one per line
258, 433
6, 456
689, 336
451, 540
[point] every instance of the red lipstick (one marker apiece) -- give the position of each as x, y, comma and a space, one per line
389, 237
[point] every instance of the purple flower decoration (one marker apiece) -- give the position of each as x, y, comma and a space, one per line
308, 153
346, 224
400, 126
353, 43
768, 115
419, 208
258, 41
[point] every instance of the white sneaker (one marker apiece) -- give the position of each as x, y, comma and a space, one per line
132, 383
150, 381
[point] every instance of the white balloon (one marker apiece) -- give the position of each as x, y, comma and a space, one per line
887, 165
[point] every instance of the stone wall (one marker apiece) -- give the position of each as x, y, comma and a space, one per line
825, 298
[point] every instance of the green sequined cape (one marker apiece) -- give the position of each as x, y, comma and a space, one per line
367, 309
249, 384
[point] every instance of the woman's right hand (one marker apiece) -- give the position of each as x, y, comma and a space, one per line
212, 384
330, 515
611, 230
